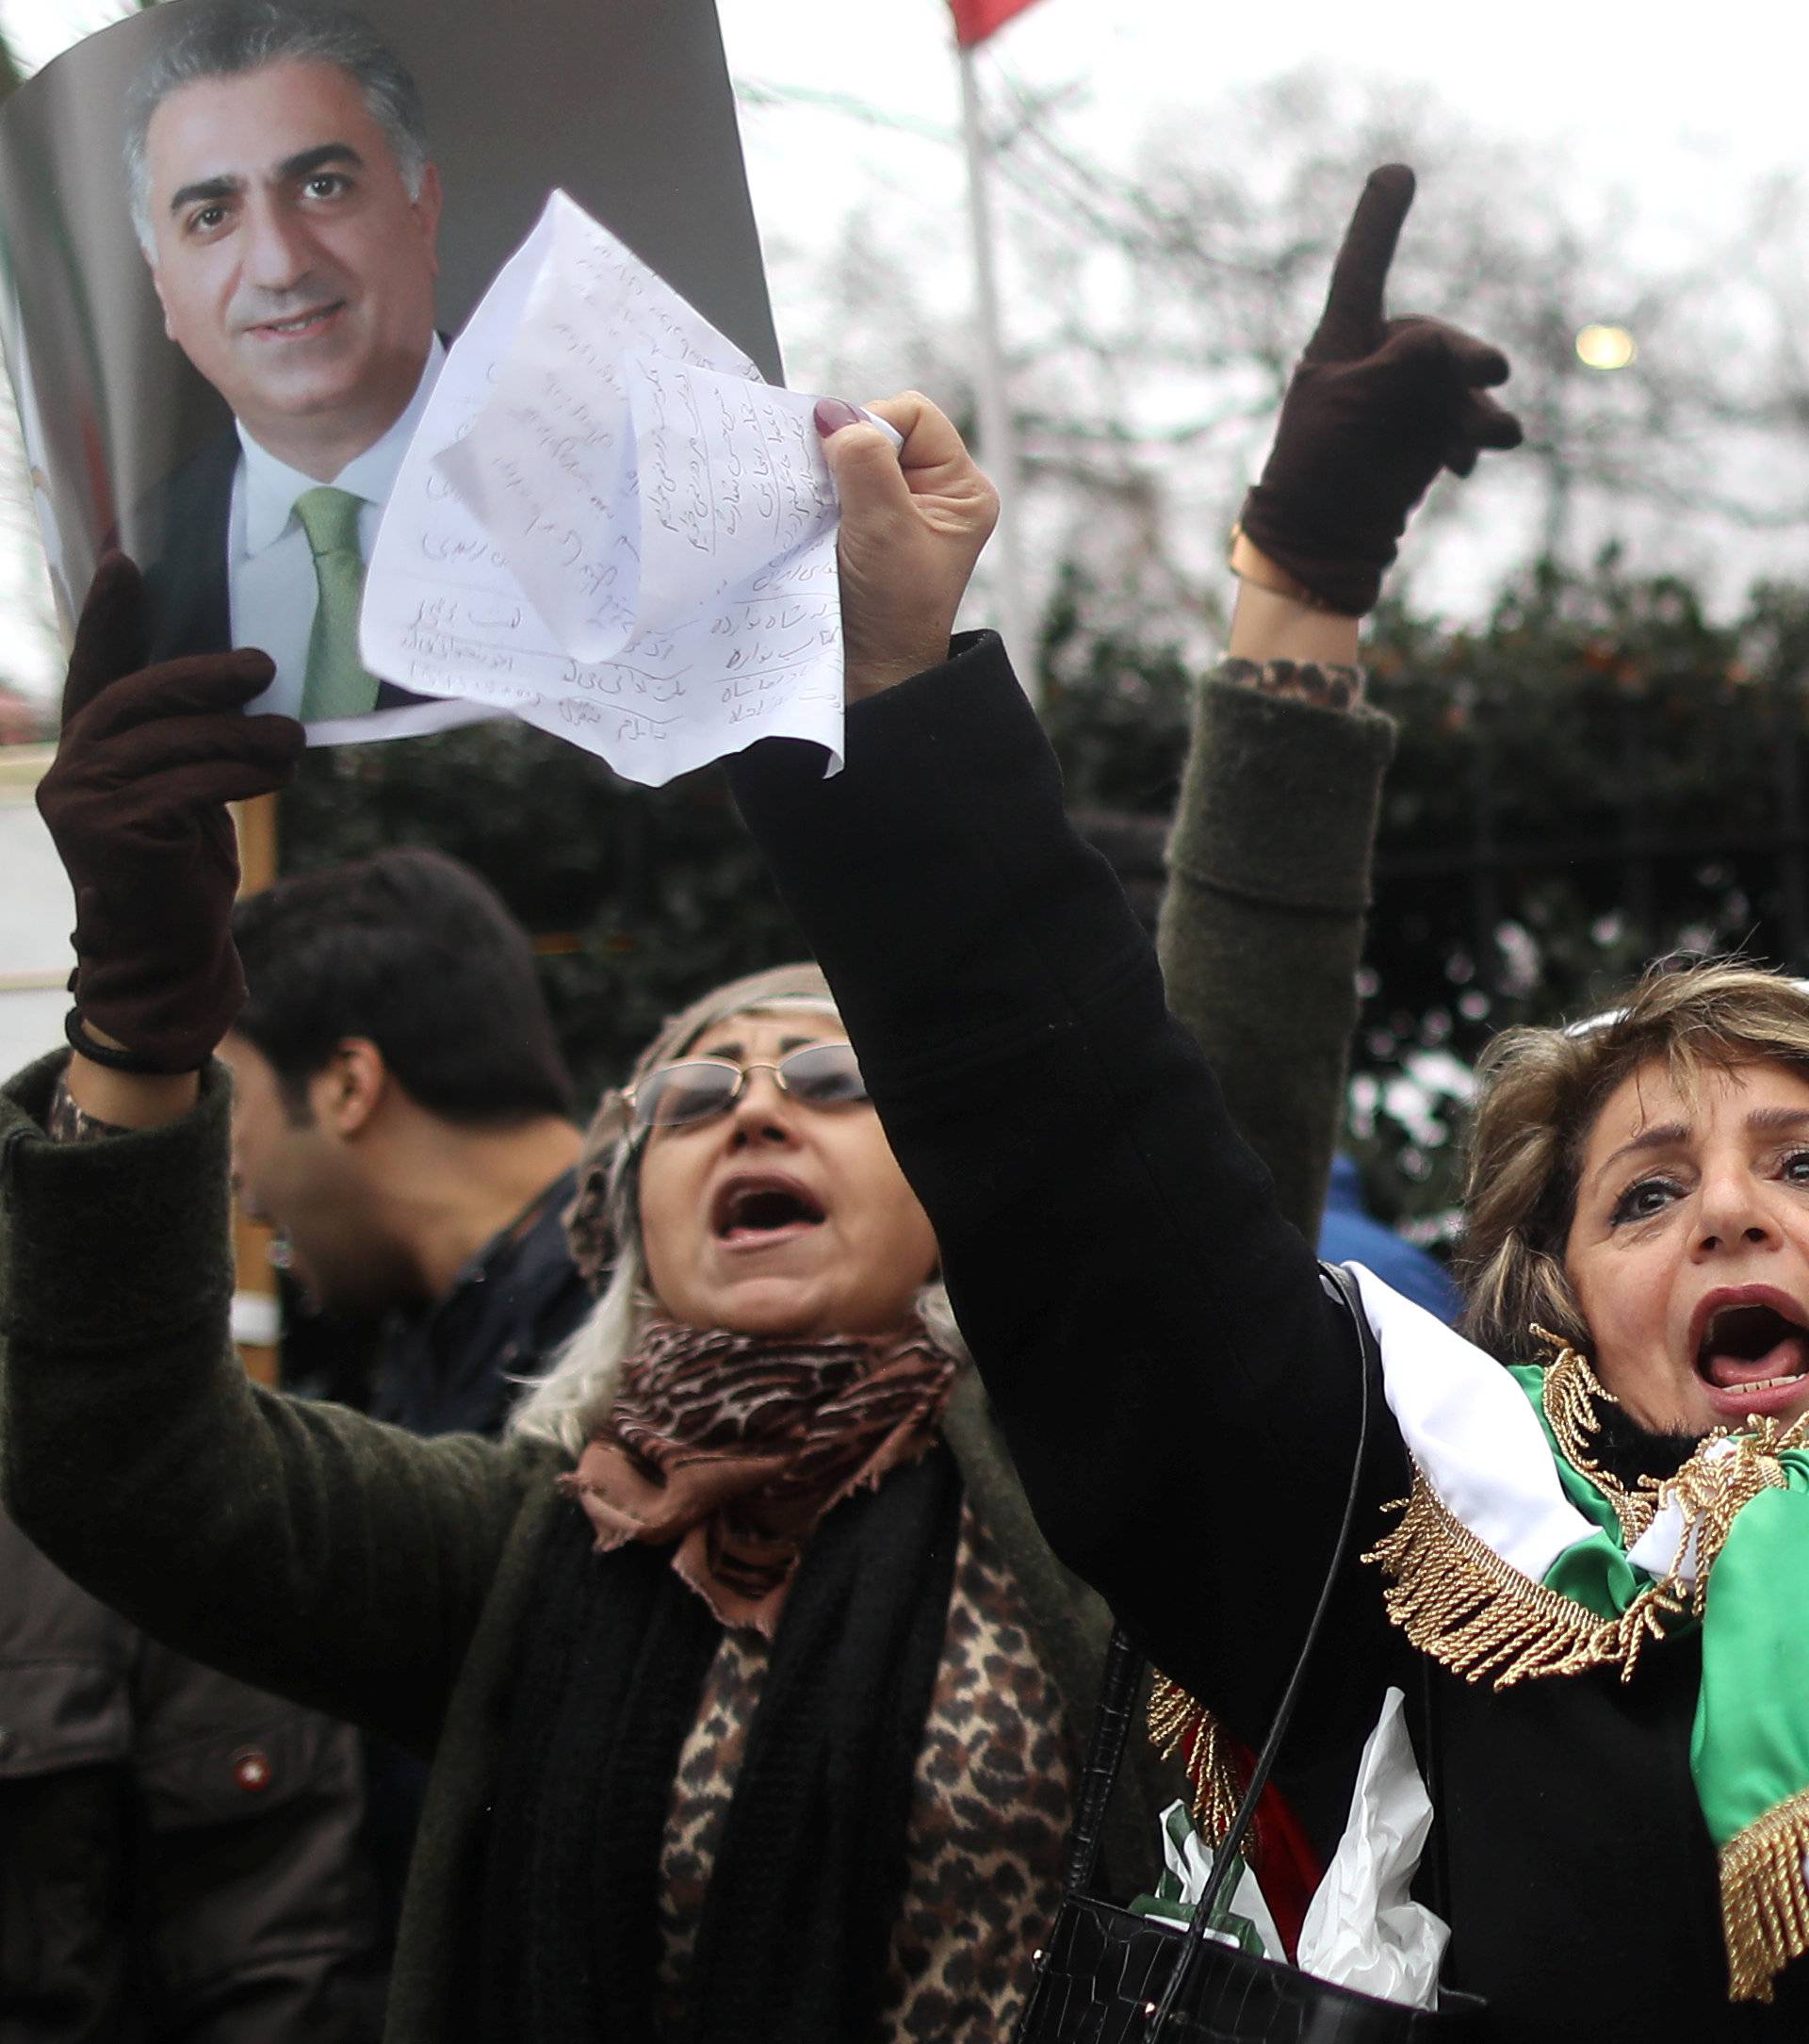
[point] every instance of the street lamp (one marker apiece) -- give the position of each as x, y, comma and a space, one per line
1605, 346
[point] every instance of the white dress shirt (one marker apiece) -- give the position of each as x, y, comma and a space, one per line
270, 581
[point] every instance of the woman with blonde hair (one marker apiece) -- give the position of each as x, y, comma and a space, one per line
1584, 1525
751, 1687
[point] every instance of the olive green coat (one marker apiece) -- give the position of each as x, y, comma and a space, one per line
382, 1577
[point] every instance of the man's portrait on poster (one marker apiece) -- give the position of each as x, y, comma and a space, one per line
277, 167
238, 238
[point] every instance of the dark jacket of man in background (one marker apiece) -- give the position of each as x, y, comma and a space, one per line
178, 1854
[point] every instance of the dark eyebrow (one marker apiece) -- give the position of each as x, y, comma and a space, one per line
1660, 1135
304, 163
203, 189
736, 1052
307, 161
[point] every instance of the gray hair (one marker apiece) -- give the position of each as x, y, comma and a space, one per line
228, 39
565, 1407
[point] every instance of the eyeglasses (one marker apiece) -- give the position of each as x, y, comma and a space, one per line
693, 1090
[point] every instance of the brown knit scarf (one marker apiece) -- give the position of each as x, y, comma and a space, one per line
735, 1446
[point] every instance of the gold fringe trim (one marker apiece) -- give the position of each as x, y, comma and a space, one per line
1764, 1898
1457, 1600
1712, 1490
1570, 1394
1179, 1723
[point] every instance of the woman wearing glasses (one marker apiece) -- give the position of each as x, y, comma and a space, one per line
752, 1690
854, 1749
753, 1693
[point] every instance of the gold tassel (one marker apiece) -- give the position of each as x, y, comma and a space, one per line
1570, 1394
1712, 1490
1765, 1900
1457, 1600
1180, 1724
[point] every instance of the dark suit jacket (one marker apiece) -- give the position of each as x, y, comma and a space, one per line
178, 534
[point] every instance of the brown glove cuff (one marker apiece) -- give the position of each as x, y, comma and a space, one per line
1331, 573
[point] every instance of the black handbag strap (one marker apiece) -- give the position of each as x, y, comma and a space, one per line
1344, 1286
1124, 1663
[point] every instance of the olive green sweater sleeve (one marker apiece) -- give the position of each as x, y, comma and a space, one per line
1261, 926
294, 1544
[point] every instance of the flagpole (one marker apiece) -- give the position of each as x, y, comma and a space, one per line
997, 440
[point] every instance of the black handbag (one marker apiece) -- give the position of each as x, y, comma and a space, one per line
1108, 1976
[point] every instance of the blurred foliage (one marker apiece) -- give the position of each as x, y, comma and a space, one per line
638, 898
1600, 777
1598, 774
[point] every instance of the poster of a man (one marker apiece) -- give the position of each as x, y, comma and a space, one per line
281, 189
290, 216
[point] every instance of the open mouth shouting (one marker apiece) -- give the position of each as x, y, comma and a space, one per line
760, 1210
1751, 1351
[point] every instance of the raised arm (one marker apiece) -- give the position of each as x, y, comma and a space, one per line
1262, 925
294, 1546
1143, 1317
1178, 1391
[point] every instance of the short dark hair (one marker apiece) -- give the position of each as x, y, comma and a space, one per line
415, 952
231, 37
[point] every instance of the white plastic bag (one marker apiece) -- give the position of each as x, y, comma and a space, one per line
1361, 1929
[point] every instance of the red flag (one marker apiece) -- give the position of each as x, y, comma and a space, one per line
975, 20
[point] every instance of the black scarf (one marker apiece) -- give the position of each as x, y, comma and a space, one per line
810, 1869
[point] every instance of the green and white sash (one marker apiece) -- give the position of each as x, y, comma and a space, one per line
1510, 1563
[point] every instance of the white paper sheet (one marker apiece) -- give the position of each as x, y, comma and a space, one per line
608, 525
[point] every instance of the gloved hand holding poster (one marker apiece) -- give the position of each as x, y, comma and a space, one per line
240, 237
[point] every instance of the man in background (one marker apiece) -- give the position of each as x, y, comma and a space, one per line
401, 1115
277, 166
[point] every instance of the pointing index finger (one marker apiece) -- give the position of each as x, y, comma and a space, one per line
1351, 325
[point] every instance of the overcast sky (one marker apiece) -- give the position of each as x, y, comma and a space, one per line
1685, 116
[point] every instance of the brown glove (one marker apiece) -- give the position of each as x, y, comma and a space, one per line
1375, 408
136, 802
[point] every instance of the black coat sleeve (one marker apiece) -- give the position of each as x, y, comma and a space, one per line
1179, 1395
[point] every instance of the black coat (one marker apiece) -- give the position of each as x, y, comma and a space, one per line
1180, 1396
457, 1364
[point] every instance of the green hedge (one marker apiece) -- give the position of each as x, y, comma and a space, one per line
1631, 761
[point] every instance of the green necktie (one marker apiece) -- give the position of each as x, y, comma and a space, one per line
336, 683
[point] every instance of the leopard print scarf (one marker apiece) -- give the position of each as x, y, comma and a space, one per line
735, 1446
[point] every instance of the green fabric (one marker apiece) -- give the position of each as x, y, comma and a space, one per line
1261, 931
1750, 1743
336, 684
1595, 1574
1750, 1748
